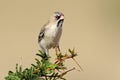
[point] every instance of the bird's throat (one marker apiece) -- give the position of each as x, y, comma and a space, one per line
60, 22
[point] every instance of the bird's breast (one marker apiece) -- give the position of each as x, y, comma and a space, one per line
53, 31
53, 35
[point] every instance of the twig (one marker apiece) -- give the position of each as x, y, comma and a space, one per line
78, 64
63, 59
66, 72
60, 75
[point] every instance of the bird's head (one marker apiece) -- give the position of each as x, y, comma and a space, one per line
57, 17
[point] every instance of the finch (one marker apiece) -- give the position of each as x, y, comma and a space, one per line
50, 33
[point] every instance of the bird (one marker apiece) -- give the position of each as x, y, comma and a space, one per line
51, 32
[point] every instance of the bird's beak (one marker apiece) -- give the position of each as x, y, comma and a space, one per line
62, 17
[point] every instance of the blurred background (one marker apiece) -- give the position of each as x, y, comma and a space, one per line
92, 27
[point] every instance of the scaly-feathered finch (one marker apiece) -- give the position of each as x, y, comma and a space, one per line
51, 32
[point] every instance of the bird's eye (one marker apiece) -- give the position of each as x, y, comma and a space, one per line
57, 17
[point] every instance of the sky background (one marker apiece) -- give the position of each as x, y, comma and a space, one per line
92, 27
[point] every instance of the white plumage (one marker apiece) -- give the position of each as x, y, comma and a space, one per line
50, 33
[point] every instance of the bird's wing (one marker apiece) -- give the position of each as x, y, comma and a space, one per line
42, 33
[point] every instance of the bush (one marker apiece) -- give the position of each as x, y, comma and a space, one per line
43, 69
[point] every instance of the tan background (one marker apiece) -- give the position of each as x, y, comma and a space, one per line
91, 26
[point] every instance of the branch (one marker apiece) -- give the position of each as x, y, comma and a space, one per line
60, 75
63, 59
78, 64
